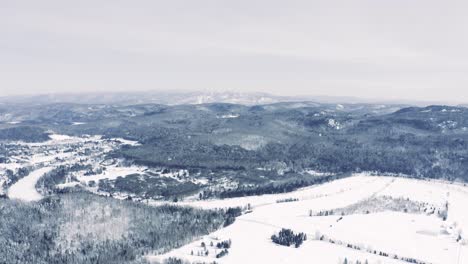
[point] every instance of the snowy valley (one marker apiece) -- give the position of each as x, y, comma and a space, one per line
223, 183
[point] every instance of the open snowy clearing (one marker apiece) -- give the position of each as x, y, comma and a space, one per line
423, 236
111, 173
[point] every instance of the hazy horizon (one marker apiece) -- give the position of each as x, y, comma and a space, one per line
396, 50
113, 96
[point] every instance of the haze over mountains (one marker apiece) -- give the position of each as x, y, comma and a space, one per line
197, 97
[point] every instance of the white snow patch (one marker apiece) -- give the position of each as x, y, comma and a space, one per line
317, 173
126, 141
58, 137
334, 124
229, 116
67, 185
111, 173
78, 123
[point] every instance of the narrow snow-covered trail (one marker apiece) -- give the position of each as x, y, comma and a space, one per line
25, 188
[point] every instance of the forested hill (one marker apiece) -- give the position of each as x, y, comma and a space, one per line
280, 138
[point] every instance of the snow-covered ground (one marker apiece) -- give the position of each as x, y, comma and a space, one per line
424, 237
111, 173
314, 193
429, 237
126, 141
25, 188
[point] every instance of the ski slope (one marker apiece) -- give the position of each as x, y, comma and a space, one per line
422, 236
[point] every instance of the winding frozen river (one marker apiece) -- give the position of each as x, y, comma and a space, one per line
25, 188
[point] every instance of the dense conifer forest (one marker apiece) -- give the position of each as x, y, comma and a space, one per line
84, 228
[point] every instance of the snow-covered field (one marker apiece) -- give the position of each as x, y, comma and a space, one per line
425, 237
111, 173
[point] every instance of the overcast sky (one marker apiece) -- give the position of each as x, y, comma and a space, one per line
386, 49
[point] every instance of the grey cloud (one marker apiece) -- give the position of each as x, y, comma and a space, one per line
374, 49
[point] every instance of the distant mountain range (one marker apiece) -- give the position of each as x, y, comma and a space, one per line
166, 98
179, 98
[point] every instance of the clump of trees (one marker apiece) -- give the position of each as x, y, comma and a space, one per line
287, 200
226, 244
223, 253
275, 187
231, 214
286, 237
223, 245
386, 203
14, 176
149, 186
